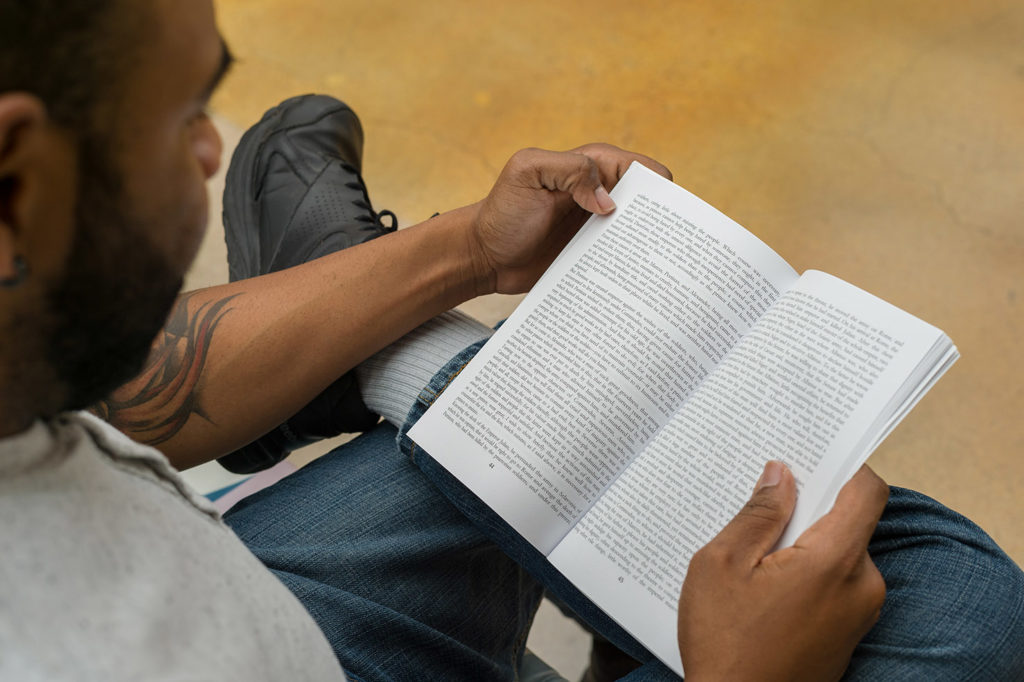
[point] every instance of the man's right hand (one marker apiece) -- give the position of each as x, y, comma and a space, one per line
794, 614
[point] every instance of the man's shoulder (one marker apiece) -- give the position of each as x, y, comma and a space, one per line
110, 440
108, 563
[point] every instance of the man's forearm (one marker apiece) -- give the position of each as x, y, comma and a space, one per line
233, 361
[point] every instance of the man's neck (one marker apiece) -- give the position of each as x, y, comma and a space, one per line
17, 411
11, 427
28, 390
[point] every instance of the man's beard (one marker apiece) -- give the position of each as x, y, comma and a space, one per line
115, 293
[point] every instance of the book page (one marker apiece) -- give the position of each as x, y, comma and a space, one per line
812, 384
631, 317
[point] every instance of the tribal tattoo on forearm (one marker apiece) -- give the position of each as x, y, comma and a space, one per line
158, 403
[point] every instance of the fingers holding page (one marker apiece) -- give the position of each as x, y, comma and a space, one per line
848, 526
613, 162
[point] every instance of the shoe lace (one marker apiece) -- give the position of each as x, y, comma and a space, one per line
371, 216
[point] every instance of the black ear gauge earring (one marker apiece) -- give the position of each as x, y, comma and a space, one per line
20, 274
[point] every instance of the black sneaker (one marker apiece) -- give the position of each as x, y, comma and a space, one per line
294, 193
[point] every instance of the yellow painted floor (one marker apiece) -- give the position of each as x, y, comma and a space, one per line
882, 142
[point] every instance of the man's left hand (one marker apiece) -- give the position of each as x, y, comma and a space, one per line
538, 203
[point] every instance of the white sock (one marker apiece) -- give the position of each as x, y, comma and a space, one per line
392, 380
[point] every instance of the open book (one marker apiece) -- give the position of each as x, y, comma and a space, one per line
621, 416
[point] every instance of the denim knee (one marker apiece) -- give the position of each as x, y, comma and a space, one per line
955, 603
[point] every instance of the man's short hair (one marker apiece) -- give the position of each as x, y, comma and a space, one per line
72, 55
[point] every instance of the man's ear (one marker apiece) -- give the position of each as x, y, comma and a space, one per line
38, 188
23, 119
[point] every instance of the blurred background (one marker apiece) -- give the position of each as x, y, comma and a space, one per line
880, 141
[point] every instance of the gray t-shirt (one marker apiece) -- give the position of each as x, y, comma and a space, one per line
111, 568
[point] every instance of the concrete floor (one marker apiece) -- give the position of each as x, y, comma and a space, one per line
882, 142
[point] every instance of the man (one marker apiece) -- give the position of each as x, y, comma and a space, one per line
113, 569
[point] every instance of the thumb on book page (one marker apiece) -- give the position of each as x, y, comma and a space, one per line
758, 526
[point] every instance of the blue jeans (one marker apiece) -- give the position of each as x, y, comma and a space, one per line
411, 577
